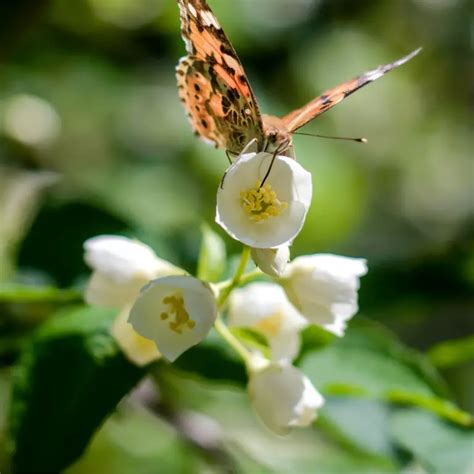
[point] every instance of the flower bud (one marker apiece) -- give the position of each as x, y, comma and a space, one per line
272, 261
283, 397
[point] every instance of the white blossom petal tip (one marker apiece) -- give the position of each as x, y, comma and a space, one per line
324, 288
272, 261
176, 312
269, 215
121, 266
283, 397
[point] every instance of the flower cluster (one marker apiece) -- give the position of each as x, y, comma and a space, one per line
163, 311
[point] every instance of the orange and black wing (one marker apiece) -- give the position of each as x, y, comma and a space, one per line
212, 83
296, 119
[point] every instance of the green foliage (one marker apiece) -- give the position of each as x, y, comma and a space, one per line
68, 380
369, 362
439, 446
16, 293
345, 419
451, 353
128, 163
213, 359
212, 255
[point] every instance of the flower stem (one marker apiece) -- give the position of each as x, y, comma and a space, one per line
226, 290
227, 335
244, 258
250, 276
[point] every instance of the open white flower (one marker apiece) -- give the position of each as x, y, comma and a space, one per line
264, 307
176, 312
272, 261
283, 397
269, 215
121, 267
324, 287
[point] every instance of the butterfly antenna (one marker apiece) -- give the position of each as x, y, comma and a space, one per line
358, 140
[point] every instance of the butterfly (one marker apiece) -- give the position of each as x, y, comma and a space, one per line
218, 98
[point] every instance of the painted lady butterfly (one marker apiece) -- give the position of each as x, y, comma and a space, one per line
219, 100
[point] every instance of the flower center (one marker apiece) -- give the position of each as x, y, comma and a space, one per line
181, 316
271, 325
261, 202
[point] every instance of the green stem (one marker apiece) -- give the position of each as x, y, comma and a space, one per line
244, 258
227, 335
250, 276
225, 291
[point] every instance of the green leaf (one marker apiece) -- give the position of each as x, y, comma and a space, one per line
134, 441
439, 446
212, 256
346, 420
304, 451
369, 363
451, 353
69, 378
252, 339
15, 293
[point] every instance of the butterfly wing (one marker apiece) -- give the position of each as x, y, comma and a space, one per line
296, 119
212, 82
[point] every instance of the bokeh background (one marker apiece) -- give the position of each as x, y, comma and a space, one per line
93, 139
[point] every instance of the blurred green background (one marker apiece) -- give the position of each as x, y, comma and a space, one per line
93, 139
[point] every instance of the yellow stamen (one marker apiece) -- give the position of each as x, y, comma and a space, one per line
261, 202
271, 325
181, 316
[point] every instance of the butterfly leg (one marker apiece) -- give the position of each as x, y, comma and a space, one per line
229, 154
275, 153
222, 180
281, 148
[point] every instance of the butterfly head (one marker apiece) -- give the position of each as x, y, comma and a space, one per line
277, 136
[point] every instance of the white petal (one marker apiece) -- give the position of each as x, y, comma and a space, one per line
121, 267
292, 185
324, 288
200, 309
139, 350
122, 259
283, 397
272, 261
109, 293
264, 307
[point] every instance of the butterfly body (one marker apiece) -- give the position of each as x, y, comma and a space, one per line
218, 97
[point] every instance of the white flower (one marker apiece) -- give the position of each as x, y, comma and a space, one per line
264, 216
176, 312
324, 288
265, 308
272, 261
283, 397
121, 266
